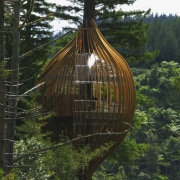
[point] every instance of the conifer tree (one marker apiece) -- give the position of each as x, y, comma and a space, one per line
34, 32
9, 102
2, 86
125, 31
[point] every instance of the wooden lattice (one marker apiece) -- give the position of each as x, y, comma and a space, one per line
90, 87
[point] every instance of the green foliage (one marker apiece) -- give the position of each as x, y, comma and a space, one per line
31, 167
160, 80
11, 176
175, 82
64, 162
73, 13
163, 35
3, 71
1, 174
61, 42
121, 163
125, 31
35, 33
151, 151
162, 124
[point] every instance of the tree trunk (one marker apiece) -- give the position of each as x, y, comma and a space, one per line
2, 88
13, 94
89, 12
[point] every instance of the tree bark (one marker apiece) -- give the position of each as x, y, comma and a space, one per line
2, 87
12, 100
89, 12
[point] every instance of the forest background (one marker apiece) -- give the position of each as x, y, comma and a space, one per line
151, 46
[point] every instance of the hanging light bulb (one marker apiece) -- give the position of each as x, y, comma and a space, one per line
91, 60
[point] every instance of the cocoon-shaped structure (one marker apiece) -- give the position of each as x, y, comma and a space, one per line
90, 87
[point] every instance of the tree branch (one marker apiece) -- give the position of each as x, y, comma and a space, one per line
42, 46
32, 89
28, 14
46, 149
38, 20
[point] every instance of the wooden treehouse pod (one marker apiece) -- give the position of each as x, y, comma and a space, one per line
90, 87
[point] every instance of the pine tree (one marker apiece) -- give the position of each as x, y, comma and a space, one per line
91, 13
2, 85
125, 31
32, 35
11, 18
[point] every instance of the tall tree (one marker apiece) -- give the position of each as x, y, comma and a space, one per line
89, 13
13, 49
7, 122
13, 90
126, 31
163, 36
34, 36
151, 151
2, 86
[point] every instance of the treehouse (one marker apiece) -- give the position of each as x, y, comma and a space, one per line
90, 88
